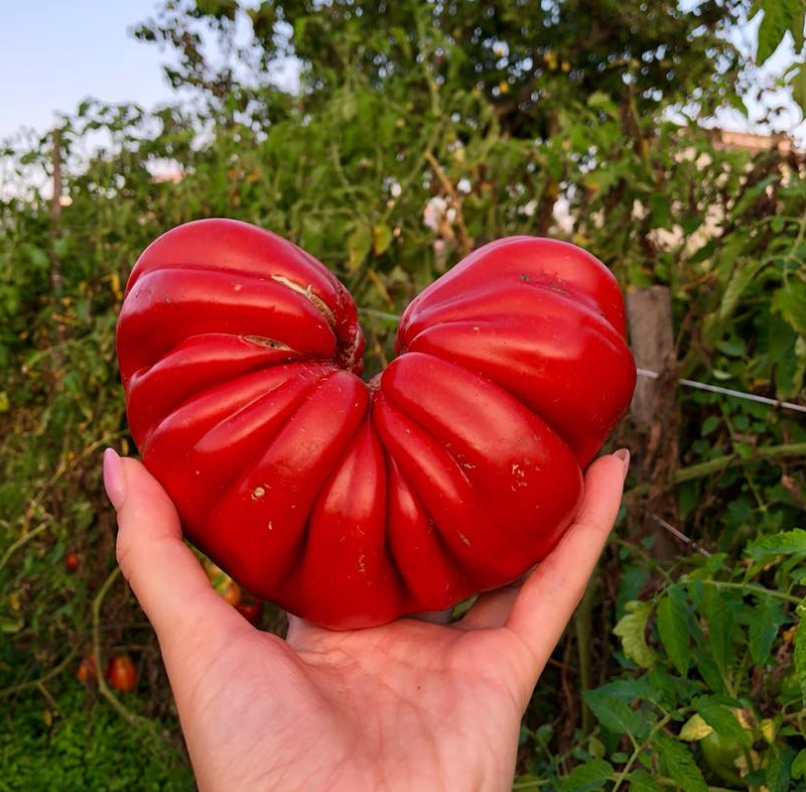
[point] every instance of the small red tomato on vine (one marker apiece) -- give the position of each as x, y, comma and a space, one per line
250, 611
71, 562
120, 673
223, 583
86, 671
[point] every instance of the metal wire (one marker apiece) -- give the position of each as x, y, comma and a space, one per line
782, 405
679, 535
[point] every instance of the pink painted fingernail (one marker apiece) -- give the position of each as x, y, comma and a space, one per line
113, 478
624, 455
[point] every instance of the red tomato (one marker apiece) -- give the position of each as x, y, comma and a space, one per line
120, 673
347, 502
250, 611
71, 562
86, 671
232, 593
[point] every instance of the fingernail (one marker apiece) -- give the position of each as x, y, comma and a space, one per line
113, 478
624, 455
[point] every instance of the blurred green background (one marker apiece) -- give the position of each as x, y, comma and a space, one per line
390, 139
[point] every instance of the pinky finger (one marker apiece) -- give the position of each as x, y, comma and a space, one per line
548, 598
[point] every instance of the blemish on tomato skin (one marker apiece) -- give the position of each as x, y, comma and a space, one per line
258, 493
519, 475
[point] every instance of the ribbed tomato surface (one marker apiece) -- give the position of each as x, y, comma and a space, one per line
350, 503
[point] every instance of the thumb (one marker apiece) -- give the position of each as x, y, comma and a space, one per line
167, 579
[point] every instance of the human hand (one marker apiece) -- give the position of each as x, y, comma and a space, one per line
410, 705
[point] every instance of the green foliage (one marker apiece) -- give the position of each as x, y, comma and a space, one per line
526, 59
84, 748
782, 19
711, 670
418, 134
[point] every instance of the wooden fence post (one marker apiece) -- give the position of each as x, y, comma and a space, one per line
654, 406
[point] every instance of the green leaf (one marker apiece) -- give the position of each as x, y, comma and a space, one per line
402, 39
642, 782
613, 713
798, 85
633, 579
601, 180
708, 670
790, 302
780, 17
630, 689
719, 616
713, 563
665, 689
588, 777
797, 25
709, 425
10, 626
381, 238
359, 244
39, 258
800, 651
766, 619
661, 212
596, 747
61, 247
602, 101
673, 628
347, 106
779, 769
741, 278
733, 347
784, 543
680, 765
798, 768
748, 198
723, 721
632, 631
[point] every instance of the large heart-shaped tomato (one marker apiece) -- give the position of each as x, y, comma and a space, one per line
349, 502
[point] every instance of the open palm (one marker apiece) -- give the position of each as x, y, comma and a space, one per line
411, 705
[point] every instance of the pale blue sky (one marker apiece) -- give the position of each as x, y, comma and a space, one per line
54, 53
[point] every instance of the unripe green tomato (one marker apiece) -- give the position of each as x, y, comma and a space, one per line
789, 687
721, 754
